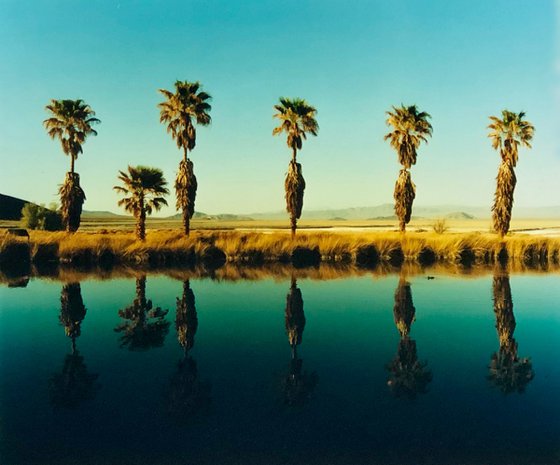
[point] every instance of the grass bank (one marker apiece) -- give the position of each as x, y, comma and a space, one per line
213, 249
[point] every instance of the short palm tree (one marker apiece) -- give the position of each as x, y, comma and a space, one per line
71, 122
180, 111
297, 119
145, 187
410, 128
507, 134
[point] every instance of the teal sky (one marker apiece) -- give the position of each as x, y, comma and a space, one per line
460, 61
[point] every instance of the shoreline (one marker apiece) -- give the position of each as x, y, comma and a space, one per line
214, 249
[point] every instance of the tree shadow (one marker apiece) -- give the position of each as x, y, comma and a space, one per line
187, 397
507, 371
298, 385
408, 376
145, 327
74, 384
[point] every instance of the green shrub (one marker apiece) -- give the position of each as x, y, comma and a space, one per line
38, 217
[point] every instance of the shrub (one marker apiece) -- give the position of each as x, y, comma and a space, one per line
440, 226
38, 217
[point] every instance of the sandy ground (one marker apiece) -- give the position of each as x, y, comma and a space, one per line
542, 227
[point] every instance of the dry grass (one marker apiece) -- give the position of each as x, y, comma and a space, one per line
342, 250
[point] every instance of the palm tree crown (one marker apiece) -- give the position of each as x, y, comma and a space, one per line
509, 132
71, 122
145, 186
297, 118
410, 128
180, 109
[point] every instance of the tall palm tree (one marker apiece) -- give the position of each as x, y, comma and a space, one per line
408, 376
507, 134
180, 111
507, 371
297, 119
410, 128
145, 187
71, 122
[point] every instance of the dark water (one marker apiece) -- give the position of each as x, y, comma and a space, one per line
364, 370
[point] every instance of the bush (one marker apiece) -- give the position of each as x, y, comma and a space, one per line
38, 217
440, 226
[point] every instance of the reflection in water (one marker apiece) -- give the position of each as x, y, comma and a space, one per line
407, 375
74, 384
186, 395
298, 385
72, 311
508, 372
146, 326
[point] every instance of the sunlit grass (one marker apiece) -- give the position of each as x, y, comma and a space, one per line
166, 246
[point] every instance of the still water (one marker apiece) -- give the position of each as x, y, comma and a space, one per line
360, 370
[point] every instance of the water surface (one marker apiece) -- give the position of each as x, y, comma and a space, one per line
362, 370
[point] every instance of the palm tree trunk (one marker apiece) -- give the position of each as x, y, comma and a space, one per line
186, 222
72, 198
294, 186
186, 215
404, 194
294, 154
72, 163
141, 289
185, 190
503, 198
141, 223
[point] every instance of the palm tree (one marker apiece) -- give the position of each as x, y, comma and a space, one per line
145, 186
180, 111
507, 134
410, 128
71, 122
146, 326
407, 375
507, 371
297, 119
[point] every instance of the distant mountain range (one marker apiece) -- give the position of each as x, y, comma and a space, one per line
386, 211
10, 209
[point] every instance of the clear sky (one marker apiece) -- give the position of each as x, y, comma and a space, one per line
460, 61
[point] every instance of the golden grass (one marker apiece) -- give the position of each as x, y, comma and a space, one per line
164, 248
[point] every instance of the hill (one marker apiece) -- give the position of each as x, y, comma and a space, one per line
219, 217
100, 214
10, 207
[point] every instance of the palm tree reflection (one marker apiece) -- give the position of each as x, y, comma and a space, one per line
298, 385
146, 326
73, 384
187, 395
407, 375
508, 372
